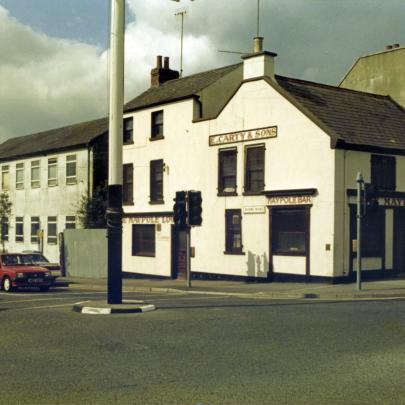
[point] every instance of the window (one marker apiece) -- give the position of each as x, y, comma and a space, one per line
372, 242
383, 175
35, 173
71, 169
52, 172
19, 229
4, 228
143, 240
157, 125
70, 222
227, 171
233, 231
52, 239
156, 181
128, 136
19, 176
290, 227
5, 177
34, 229
254, 169
127, 189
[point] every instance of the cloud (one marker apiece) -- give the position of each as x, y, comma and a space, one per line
47, 82
51, 82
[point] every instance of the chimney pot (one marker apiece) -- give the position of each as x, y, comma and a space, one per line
258, 44
166, 62
159, 62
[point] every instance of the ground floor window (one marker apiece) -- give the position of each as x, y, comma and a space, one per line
19, 229
52, 238
290, 227
143, 240
233, 231
4, 228
70, 222
34, 229
372, 232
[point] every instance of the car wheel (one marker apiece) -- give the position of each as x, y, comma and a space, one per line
43, 289
6, 284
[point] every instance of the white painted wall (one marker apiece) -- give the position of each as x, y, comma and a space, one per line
60, 201
348, 164
300, 157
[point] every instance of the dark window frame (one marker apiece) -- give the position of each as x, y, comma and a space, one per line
233, 229
52, 222
157, 125
128, 184
251, 172
128, 131
19, 229
383, 172
156, 186
35, 227
5, 229
372, 230
144, 240
71, 167
223, 177
289, 230
70, 222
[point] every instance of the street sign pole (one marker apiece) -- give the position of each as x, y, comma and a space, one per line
360, 183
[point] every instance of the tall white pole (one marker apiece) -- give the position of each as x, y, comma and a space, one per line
116, 92
114, 209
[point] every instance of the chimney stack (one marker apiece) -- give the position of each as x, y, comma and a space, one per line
259, 63
159, 74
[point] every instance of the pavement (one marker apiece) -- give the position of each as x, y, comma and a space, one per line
392, 288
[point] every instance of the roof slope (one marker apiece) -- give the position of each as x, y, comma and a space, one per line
353, 117
54, 139
178, 89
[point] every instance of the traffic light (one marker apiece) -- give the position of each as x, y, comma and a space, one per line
179, 209
371, 199
194, 208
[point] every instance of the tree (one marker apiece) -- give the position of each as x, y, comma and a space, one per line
5, 212
91, 211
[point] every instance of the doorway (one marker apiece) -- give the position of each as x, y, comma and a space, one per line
399, 240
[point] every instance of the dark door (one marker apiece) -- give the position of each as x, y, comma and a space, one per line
399, 240
179, 254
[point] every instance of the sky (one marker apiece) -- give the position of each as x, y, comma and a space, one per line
54, 53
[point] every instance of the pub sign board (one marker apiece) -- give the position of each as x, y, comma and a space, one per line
243, 136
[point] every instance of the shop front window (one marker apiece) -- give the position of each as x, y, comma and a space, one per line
289, 231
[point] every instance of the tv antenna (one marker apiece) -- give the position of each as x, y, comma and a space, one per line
181, 13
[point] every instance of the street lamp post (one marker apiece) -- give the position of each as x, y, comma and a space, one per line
360, 185
116, 101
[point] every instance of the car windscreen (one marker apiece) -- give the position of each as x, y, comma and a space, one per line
36, 257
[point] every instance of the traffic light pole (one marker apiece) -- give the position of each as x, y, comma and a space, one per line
360, 182
188, 258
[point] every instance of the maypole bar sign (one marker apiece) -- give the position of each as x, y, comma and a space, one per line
243, 136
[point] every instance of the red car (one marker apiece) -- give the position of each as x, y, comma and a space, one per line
16, 271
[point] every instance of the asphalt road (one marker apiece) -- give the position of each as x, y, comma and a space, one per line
198, 349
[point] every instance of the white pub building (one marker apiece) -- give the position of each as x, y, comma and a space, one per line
276, 160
